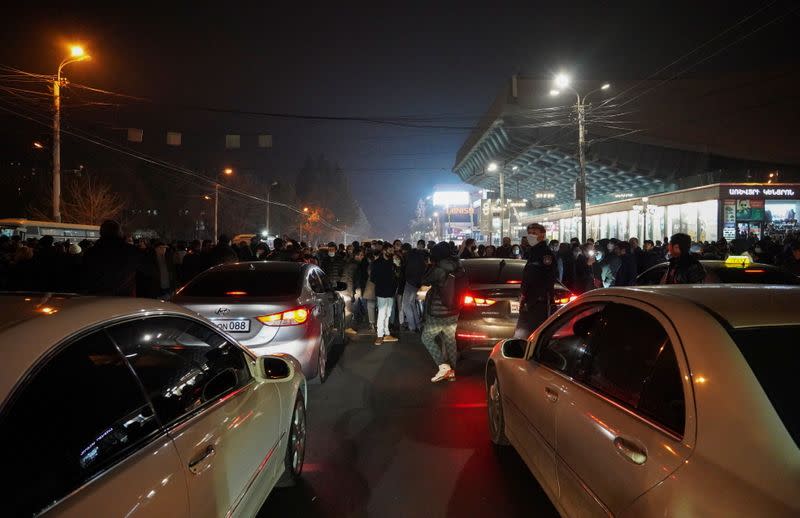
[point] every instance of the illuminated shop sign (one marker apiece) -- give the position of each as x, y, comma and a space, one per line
767, 192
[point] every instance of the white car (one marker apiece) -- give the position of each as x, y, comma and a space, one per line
134, 407
658, 401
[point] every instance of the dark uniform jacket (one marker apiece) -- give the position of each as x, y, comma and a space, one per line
539, 276
684, 270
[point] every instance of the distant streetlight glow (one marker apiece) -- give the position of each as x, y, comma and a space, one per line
605, 86
492, 167
76, 51
562, 80
305, 209
38, 145
228, 171
515, 168
554, 92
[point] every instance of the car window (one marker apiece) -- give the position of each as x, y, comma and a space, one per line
494, 272
630, 359
773, 355
652, 276
182, 364
242, 282
315, 282
82, 412
562, 344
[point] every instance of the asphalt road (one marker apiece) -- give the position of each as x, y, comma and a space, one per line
384, 441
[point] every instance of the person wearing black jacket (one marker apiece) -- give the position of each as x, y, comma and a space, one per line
683, 268
415, 265
385, 279
109, 267
538, 283
626, 275
440, 320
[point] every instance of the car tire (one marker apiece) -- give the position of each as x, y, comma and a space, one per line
296, 445
322, 363
494, 405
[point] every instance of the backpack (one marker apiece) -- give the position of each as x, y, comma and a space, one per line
454, 288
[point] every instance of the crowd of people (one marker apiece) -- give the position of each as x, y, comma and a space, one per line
382, 277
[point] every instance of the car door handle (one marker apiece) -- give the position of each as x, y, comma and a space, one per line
550, 394
630, 450
194, 465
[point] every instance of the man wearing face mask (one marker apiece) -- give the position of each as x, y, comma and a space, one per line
333, 263
538, 279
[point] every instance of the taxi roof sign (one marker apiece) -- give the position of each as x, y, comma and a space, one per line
737, 261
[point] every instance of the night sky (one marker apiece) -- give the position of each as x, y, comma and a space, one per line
438, 66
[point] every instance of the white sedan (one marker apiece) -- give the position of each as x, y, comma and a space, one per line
658, 401
133, 407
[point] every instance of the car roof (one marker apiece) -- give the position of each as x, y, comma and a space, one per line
260, 266
740, 305
717, 263
33, 323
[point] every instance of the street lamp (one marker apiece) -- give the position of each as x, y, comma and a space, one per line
76, 54
563, 82
498, 167
644, 210
227, 172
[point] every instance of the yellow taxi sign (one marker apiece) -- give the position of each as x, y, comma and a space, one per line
737, 261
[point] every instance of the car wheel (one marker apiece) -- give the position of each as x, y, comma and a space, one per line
296, 446
494, 405
322, 361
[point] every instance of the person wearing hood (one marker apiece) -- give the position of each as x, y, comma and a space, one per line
440, 320
538, 283
683, 267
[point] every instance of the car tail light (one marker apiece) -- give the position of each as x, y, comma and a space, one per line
236, 293
292, 317
470, 300
563, 299
513, 281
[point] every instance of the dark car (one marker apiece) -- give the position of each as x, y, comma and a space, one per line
491, 305
735, 270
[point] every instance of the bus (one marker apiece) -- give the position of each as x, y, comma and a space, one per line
28, 228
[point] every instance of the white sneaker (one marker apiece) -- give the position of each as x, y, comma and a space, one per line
442, 374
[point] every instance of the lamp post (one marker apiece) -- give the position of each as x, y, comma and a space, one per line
562, 81
76, 54
644, 209
227, 172
269, 192
498, 167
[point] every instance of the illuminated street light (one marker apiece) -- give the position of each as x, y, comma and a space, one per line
562, 80
38, 145
492, 167
228, 171
515, 168
555, 92
206, 197
305, 209
605, 86
76, 54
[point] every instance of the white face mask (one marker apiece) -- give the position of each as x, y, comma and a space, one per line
533, 239
331, 254
397, 261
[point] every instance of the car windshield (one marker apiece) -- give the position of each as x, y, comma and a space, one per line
773, 354
494, 272
244, 283
753, 275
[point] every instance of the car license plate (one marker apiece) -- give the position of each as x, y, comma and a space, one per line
514, 307
233, 325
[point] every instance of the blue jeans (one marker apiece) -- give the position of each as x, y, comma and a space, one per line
411, 307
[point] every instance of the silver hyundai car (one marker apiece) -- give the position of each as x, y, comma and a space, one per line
273, 307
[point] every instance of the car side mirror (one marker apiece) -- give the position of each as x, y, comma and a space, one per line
514, 348
275, 369
340, 286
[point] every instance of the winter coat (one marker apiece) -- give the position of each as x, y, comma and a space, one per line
684, 270
416, 263
109, 268
436, 278
384, 277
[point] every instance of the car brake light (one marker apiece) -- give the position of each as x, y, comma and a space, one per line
236, 293
470, 300
513, 281
292, 317
754, 270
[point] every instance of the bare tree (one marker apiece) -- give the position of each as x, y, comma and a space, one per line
89, 201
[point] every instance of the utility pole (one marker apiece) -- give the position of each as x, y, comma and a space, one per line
502, 201
582, 160
57, 148
216, 212
76, 54
269, 192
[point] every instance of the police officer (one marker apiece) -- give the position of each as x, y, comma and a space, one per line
538, 280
